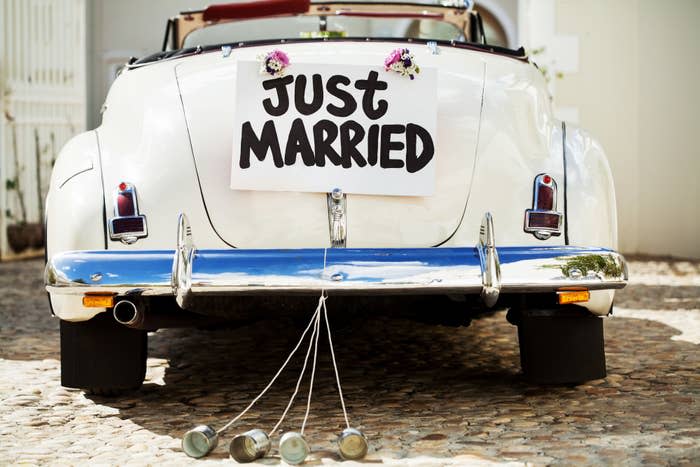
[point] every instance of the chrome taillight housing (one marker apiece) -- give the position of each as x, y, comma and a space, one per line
127, 225
543, 220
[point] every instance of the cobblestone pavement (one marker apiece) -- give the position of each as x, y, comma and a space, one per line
424, 395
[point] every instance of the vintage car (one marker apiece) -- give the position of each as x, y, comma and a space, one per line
377, 152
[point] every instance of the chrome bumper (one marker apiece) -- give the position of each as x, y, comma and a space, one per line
484, 269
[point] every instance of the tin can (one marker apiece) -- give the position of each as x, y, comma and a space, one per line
200, 441
293, 448
249, 446
352, 444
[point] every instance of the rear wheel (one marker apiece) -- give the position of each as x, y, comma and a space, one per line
102, 356
560, 346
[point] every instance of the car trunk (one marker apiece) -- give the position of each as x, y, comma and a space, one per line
266, 218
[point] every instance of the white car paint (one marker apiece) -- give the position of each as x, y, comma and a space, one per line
496, 133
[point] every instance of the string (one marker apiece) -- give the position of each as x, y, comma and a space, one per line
313, 367
313, 342
321, 302
274, 378
335, 365
317, 316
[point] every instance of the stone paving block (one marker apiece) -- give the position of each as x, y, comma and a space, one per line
424, 395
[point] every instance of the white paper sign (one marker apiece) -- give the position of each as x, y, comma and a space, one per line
361, 129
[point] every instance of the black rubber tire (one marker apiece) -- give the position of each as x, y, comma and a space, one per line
561, 346
102, 356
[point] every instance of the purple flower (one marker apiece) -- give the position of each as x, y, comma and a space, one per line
394, 57
279, 56
401, 61
273, 63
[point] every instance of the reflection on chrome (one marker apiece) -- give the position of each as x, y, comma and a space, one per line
485, 269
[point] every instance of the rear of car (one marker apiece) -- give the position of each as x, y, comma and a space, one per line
412, 160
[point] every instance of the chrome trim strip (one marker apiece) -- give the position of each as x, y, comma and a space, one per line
566, 185
490, 265
337, 218
181, 278
75, 175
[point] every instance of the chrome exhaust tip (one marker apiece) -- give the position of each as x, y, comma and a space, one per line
200, 441
127, 313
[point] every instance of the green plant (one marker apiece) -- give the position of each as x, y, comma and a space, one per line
604, 264
544, 69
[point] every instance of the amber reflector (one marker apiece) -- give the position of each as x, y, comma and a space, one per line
98, 301
573, 296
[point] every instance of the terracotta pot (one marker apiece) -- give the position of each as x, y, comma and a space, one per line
23, 236
35, 233
17, 237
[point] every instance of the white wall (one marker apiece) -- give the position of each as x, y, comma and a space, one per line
630, 77
119, 29
42, 100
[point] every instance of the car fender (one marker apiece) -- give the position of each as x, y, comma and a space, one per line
591, 211
75, 209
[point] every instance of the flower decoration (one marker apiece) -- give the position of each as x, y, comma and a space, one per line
401, 61
273, 63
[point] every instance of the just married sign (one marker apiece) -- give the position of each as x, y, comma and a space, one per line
357, 128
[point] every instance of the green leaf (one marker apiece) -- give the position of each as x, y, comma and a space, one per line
11, 184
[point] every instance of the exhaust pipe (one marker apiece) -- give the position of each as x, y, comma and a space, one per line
137, 313
127, 313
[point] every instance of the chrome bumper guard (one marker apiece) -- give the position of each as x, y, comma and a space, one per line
484, 269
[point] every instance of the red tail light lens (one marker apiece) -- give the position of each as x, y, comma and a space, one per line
545, 196
544, 220
125, 204
128, 224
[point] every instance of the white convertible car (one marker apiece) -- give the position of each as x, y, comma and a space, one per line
381, 152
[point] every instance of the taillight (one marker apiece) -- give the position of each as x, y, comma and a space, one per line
544, 200
125, 204
543, 220
127, 225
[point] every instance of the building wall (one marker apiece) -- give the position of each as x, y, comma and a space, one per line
669, 99
42, 105
119, 29
630, 72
